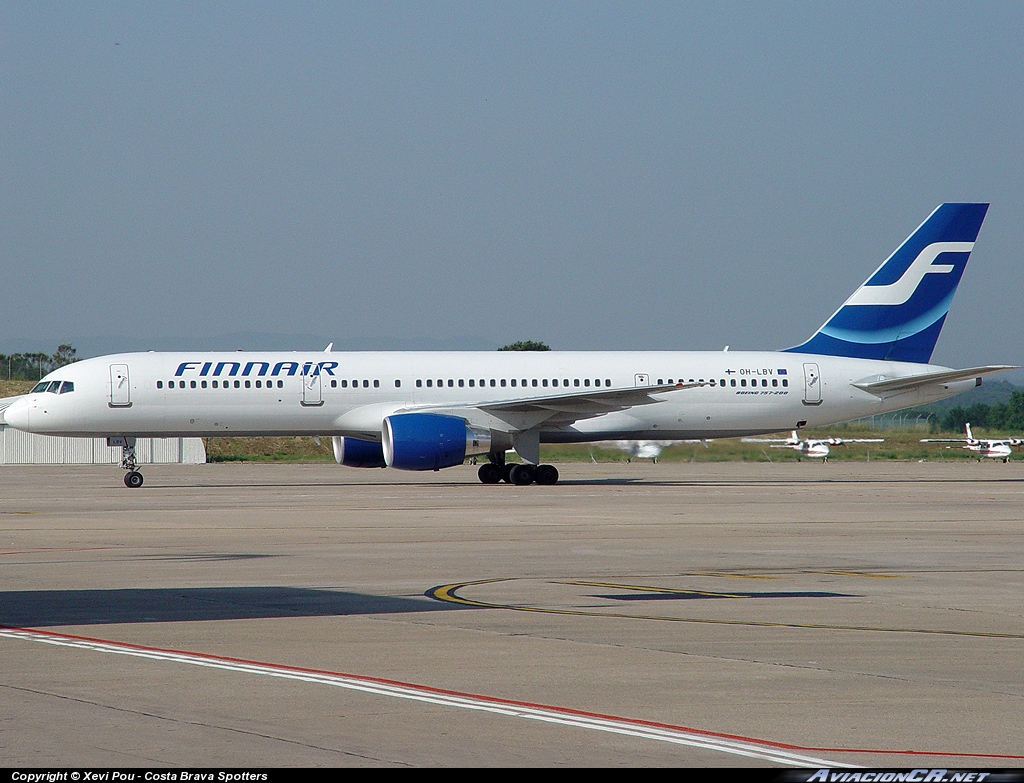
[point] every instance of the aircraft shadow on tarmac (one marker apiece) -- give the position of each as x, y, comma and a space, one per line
41, 608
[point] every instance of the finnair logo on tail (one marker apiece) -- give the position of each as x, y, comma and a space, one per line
900, 291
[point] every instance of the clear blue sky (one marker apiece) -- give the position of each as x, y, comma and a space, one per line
595, 175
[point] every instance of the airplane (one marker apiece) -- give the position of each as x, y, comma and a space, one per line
993, 448
815, 449
648, 449
432, 410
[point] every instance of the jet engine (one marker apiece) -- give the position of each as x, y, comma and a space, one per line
430, 441
355, 453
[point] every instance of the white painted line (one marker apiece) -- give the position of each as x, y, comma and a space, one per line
562, 716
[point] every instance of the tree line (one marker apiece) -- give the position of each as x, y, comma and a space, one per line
1008, 417
32, 366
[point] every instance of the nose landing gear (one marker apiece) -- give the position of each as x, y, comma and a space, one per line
132, 479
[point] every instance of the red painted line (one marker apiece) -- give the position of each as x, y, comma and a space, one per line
569, 711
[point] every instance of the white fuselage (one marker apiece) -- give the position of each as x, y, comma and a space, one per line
350, 394
993, 449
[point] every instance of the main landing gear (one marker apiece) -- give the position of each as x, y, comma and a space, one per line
132, 479
519, 473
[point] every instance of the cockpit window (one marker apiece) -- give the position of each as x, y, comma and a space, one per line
54, 386
40, 387
67, 387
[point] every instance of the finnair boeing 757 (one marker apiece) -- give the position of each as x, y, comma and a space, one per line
427, 411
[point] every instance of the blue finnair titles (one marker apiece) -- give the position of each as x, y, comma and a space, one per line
898, 313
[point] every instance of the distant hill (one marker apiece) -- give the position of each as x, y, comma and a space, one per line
991, 392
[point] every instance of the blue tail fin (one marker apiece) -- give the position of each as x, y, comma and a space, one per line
898, 313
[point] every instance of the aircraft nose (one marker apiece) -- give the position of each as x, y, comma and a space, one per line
17, 415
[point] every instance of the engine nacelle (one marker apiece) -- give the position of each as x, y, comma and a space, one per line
355, 453
429, 441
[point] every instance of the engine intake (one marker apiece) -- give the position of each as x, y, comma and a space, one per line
355, 453
430, 441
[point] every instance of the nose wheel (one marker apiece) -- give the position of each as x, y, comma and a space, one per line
132, 479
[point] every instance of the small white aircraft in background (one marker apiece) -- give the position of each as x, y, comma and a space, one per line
993, 448
814, 449
648, 449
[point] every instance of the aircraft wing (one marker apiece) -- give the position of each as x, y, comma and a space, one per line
590, 402
881, 385
526, 412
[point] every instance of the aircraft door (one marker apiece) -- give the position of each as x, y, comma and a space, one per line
312, 390
641, 379
120, 387
812, 385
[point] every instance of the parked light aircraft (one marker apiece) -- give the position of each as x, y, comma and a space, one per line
427, 411
993, 448
815, 449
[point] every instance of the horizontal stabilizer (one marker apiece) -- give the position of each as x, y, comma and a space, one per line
880, 385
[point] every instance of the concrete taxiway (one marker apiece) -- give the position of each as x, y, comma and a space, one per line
673, 614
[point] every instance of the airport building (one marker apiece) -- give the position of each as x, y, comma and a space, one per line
23, 448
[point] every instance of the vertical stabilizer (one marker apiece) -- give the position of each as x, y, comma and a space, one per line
898, 312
